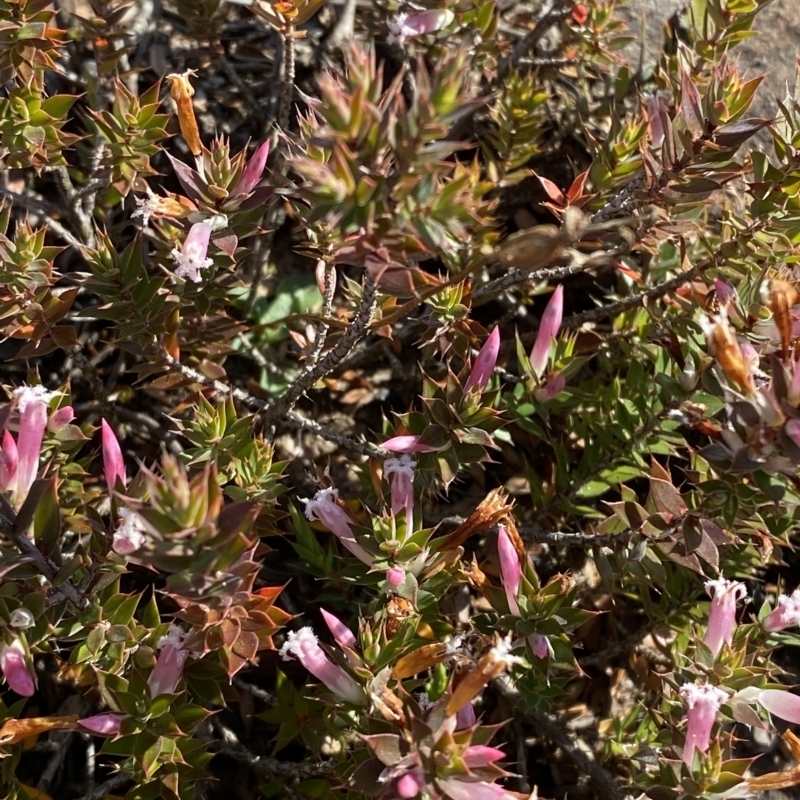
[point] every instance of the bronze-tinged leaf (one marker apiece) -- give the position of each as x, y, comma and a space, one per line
427, 656
775, 780
14, 730
495, 508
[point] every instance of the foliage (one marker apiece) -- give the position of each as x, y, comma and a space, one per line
467, 395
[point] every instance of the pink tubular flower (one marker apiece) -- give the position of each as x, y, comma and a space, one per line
341, 633
130, 535
167, 673
484, 363
401, 470
722, 616
192, 257
405, 25
540, 645
406, 444
254, 169
32, 402
703, 701
324, 508
780, 703
14, 666
793, 394
785, 614
548, 329
304, 646
510, 569
396, 576
107, 724
113, 462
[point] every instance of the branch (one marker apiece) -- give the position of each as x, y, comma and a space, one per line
108, 787
361, 448
40, 207
551, 728
621, 203
313, 372
82, 219
45, 567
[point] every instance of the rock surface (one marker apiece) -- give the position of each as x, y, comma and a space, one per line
773, 51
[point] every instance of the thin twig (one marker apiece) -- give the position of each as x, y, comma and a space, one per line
40, 207
99, 792
81, 218
550, 727
616, 206
31, 553
312, 373
489, 290
550, 12
362, 448
287, 91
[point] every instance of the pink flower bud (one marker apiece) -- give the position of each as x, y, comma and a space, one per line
395, 576
655, 106
405, 25
782, 704
167, 673
102, 724
479, 755
304, 646
32, 402
61, 418
703, 701
14, 666
192, 257
409, 785
540, 646
725, 292
406, 444
253, 170
324, 508
785, 614
510, 568
484, 363
401, 470
9, 464
548, 329
341, 633
113, 462
465, 717
722, 616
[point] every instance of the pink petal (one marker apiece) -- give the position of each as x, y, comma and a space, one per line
510, 569
61, 418
782, 704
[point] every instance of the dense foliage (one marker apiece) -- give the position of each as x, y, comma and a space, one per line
400, 401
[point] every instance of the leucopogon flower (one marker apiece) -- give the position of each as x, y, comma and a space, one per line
193, 256
722, 616
702, 701
785, 614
